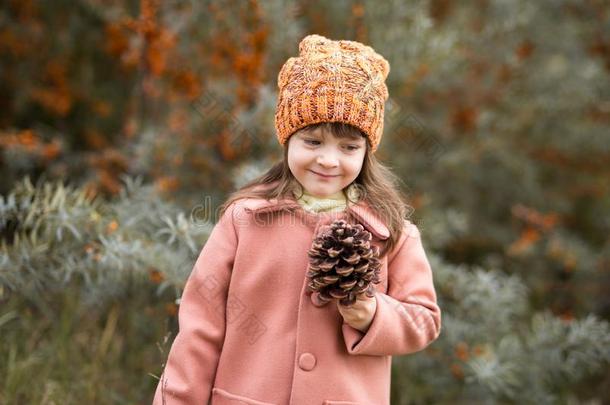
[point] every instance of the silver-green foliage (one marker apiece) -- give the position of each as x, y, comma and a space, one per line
494, 348
53, 234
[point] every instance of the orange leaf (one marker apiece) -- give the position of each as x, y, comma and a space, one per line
457, 371
155, 276
528, 237
112, 226
464, 119
171, 309
525, 49
358, 10
461, 351
167, 184
51, 151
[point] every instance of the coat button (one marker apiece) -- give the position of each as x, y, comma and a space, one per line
307, 361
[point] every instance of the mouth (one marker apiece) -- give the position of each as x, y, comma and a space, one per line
323, 175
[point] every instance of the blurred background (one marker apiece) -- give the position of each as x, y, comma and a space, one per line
124, 124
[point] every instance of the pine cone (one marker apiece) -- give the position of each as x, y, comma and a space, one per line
342, 263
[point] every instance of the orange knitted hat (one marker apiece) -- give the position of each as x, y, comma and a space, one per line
332, 81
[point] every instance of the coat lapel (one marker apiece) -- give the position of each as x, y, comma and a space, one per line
369, 219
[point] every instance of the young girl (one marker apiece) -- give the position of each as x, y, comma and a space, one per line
250, 332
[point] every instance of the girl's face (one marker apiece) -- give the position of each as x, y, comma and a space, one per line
323, 163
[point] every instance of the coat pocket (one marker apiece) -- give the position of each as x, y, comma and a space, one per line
222, 397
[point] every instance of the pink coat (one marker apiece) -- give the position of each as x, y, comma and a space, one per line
250, 334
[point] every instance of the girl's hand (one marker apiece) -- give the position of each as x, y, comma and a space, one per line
360, 314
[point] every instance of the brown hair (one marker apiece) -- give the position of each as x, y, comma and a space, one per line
378, 185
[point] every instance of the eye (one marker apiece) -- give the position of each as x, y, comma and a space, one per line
311, 142
352, 147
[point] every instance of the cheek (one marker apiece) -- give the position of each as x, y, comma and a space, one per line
355, 165
297, 161
293, 159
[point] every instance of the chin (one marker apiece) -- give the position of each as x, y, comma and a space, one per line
324, 192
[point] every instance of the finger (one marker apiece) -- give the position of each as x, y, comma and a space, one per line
363, 297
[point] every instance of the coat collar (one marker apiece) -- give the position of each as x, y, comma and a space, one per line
361, 210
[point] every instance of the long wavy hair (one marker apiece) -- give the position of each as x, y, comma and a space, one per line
377, 184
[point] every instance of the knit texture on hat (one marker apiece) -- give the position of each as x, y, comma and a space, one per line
332, 81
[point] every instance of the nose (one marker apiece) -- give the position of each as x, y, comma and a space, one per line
327, 159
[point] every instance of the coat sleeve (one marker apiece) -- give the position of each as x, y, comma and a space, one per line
190, 369
407, 318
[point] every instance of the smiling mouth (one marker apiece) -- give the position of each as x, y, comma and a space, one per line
323, 175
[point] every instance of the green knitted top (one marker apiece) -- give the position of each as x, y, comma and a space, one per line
332, 203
